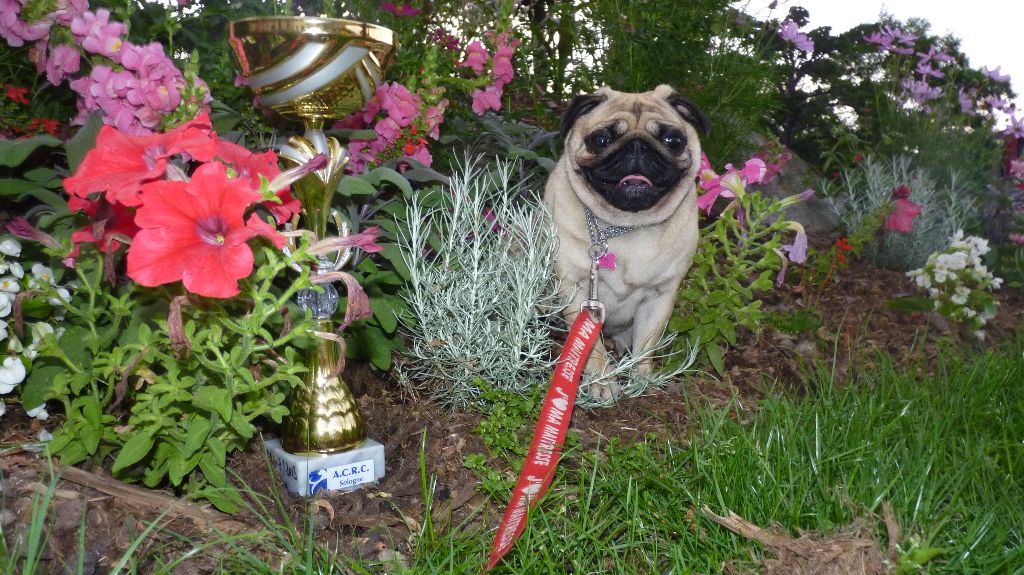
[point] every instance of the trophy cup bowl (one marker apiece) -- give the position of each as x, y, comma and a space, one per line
315, 69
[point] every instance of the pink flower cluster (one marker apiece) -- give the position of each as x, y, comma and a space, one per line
730, 184
502, 72
893, 39
133, 86
402, 126
402, 9
790, 32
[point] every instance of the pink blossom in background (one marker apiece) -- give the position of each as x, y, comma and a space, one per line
487, 99
925, 70
997, 102
422, 155
476, 57
400, 9
63, 62
995, 75
501, 67
434, 117
445, 39
1017, 239
790, 32
1015, 127
797, 251
966, 100
883, 41
1017, 169
919, 91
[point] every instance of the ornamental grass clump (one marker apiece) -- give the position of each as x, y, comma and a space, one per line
482, 291
876, 195
959, 284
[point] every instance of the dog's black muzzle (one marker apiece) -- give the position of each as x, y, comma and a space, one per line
634, 177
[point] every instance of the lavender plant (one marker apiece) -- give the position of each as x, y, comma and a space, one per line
481, 289
871, 186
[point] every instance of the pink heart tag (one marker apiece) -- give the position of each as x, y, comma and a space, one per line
607, 261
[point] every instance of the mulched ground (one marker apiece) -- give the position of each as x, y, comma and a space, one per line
377, 522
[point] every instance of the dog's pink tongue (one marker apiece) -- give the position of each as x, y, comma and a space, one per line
633, 180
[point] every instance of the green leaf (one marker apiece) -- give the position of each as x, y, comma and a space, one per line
14, 152
213, 470
727, 329
134, 450
370, 342
384, 174
355, 186
198, 431
715, 355
214, 400
384, 313
83, 141
227, 500
45, 381
910, 303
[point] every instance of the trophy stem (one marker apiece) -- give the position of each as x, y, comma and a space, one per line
324, 416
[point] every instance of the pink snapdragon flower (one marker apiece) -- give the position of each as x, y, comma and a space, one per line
63, 61
401, 104
97, 34
17, 31
487, 99
476, 57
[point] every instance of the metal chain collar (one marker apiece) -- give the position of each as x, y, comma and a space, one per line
599, 236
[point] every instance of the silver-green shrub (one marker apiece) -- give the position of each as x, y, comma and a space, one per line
482, 289
869, 188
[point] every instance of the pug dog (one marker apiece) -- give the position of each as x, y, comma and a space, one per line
625, 191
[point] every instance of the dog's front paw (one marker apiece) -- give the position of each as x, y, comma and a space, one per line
605, 391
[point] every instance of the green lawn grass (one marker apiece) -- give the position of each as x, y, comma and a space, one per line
946, 451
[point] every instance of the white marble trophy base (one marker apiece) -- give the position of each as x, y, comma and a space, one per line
307, 473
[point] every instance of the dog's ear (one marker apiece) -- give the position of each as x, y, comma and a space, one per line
580, 105
691, 113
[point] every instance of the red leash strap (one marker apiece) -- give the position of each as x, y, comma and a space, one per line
549, 435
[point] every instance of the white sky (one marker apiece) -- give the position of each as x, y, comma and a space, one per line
989, 30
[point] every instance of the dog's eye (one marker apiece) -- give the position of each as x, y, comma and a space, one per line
674, 141
599, 140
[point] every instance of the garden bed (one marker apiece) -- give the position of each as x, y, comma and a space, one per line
857, 330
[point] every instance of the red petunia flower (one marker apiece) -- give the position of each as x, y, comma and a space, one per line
252, 166
16, 94
120, 164
901, 218
109, 225
195, 232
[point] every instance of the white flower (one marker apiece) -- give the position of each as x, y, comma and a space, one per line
42, 273
9, 284
45, 436
38, 412
40, 330
3, 407
954, 261
980, 334
6, 303
10, 247
4, 266
969, 313
996, 283
12, 372
923, 281
63, 297
3, 330
16, 270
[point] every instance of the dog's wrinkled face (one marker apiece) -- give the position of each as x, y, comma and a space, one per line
633, 151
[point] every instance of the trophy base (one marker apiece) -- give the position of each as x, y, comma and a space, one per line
308, 473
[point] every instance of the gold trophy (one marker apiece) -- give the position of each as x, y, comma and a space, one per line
315, 69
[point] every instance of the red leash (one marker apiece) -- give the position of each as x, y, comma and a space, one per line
549, 435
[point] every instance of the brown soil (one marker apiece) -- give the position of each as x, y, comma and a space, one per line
377, 522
